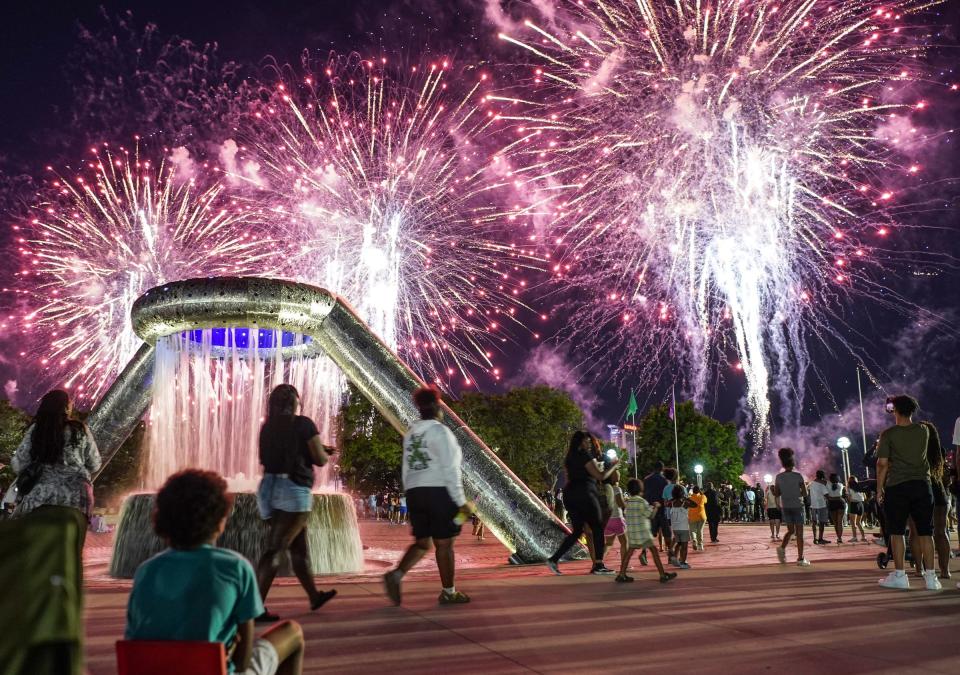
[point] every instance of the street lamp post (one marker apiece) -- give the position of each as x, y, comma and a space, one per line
844, 444
698, 469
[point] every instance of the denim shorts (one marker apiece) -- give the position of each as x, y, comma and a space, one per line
792, 516
277, 492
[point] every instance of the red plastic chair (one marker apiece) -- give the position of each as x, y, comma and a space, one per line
166, 657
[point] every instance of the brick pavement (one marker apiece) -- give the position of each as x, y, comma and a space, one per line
736, 610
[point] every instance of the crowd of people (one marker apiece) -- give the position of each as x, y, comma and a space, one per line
912, 492
383, 506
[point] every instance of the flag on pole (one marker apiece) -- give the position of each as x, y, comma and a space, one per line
632, 407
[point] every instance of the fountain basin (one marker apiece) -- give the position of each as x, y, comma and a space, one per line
333, 534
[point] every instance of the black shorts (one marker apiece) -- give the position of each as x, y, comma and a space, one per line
431, 513
774, 514
939, 494
660, 524
835, 505
912, 499
856, 508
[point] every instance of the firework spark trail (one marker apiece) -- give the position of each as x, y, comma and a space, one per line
102, 236
386, 189
716, 169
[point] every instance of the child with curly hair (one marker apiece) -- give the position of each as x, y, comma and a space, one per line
196, 591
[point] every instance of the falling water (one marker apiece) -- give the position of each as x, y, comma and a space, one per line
210, 398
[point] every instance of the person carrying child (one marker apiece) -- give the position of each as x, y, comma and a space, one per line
194, 591
638, 514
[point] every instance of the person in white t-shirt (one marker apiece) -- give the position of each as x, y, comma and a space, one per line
818, 507
436, 503
616, 527
855, 499
774, 515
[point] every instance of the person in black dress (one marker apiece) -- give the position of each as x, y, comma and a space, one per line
582, 501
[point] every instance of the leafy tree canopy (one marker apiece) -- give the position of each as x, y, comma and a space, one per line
702, 440
528, 427
370, 449
13, 422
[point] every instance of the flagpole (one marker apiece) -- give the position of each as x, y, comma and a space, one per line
676, 436
863, 424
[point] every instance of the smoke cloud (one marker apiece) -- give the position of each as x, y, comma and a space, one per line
549, 366
239, 173
926, 345
185, 167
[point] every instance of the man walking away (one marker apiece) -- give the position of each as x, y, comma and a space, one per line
904, 491
714, 512
790, 490
433, 483
818, 507
653, 487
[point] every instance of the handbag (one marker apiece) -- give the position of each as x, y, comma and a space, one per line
28, 478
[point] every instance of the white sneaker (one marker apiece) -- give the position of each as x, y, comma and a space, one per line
853, 540
933, 583
781, 555
803, 562
895, 579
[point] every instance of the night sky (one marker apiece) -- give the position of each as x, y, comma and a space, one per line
43, 56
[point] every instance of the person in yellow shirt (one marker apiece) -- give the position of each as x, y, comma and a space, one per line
698, 516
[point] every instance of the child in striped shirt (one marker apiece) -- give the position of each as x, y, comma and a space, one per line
638, 513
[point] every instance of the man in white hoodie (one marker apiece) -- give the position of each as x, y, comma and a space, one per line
436, 503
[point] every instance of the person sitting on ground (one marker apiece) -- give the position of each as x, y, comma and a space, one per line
904, 491
680, 523
819, 513
194, 591
836, 504
639, 515
790, 491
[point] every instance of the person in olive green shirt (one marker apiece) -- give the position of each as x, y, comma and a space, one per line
903, 487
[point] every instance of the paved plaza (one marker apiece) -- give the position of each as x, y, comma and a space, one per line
736, 611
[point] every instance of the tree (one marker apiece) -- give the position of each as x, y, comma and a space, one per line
122, 473
702, 440
13, 422
370, 449
528, 427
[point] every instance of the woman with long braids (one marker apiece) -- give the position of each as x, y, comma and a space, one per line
289, 448
581, 499
60, 455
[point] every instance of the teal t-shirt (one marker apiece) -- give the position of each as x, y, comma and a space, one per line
197, 594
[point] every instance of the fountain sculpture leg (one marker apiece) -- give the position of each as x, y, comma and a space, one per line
507, 506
